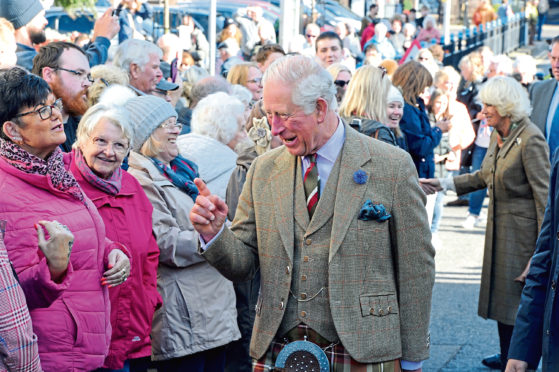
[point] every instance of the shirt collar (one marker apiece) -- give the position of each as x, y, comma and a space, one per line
333, 146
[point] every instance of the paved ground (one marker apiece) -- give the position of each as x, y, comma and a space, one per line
459, 337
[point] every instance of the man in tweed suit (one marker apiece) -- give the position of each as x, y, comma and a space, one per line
357, 286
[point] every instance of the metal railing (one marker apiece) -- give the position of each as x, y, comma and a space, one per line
501, 37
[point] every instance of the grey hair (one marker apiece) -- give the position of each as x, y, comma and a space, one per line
135, 51
207, 86
241, 93
115, 114
508, 96
217, 116
309, 81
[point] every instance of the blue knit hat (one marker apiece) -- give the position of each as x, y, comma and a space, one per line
20, 12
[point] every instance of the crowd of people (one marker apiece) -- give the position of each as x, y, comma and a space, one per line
175, 219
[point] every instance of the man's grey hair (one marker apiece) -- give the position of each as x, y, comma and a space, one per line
218, 116
135, 51
308, 79
207, 86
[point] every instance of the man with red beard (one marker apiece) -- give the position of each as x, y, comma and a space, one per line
65, 68
28, 18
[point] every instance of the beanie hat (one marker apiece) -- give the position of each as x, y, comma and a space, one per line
146, 114
394, 95
20, 12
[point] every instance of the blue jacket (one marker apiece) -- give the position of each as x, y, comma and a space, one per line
96, 52
536, 331
421, 138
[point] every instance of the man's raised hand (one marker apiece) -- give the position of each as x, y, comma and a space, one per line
208, 213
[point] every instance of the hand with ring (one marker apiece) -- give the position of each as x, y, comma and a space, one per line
57, 247
119, 269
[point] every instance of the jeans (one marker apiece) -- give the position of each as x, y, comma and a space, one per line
541, 22
437, 212
476, 197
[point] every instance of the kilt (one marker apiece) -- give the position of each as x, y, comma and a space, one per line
338, 357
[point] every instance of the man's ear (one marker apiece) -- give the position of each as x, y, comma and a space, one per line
135, 70
321, 109
47, 73
11, 130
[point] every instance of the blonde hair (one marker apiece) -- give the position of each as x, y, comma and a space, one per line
412, 78
104, 76
366, 94
335, 68
475, 62
239, 73
508, 96
151, 148
447, 73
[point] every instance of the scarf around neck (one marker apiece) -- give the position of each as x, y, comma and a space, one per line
52, 166
181, 173
110, 185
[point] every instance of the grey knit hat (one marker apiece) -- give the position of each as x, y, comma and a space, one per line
146, 114
20, 12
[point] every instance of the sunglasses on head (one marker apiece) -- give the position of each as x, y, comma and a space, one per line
341, 83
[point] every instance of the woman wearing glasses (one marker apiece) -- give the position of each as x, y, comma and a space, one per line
198, 316
103, 140
65, 282
341, 75
249, 76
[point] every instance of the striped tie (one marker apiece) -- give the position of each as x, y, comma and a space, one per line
311, 183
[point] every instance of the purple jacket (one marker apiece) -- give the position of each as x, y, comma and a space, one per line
127, 218
71, 318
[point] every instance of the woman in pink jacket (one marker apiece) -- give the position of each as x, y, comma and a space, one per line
66, 290
103, 140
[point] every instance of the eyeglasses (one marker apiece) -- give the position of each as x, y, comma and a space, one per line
169, 126
341, 83
383, 69
118, 147
309, 35
44, 112
80, 74
255, 81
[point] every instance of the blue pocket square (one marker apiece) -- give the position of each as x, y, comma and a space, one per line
372, 212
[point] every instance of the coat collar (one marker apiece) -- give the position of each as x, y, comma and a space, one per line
513, 138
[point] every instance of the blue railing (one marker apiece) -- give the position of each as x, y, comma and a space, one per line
501, 37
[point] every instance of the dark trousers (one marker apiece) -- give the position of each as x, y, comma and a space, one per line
212, 360
505, 334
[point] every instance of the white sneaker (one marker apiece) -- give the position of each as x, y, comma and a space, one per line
469, 222
481, 221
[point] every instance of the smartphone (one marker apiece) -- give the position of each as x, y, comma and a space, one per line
116, 12
174, 70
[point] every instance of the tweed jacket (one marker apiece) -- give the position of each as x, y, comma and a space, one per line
517, 178
370, 264
541, 94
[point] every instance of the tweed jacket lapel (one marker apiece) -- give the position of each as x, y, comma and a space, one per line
349, 194
282, 181
513, 139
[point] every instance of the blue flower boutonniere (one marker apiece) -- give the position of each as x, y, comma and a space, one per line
373, 212
360, 177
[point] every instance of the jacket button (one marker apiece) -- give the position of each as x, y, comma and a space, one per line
389, 308
557, 235
372, 311
303, 277
287, 269
547, 332
303, 314
308, 241
380, 312
553, 284
281, 305
306, 259
303, 296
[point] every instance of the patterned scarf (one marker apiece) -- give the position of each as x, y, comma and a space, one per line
181, 173
110, 185
53, 166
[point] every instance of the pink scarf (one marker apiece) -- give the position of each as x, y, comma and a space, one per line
110, 185
53, 166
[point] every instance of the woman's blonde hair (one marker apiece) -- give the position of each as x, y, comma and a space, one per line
412, 78
475, 61
151, 148
335, 68
366, 94
239, 73
436, 94
508, 96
